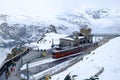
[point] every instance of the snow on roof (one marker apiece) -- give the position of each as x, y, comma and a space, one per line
71, 37
68, 38
80, 37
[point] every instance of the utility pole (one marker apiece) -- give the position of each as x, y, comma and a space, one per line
21, 60
27, 72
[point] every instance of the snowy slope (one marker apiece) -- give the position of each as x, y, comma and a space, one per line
46, 42
106, 56
3, 53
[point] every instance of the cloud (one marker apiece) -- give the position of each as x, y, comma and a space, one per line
46, 8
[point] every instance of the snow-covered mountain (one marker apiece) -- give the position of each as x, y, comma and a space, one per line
20, 29
102, 18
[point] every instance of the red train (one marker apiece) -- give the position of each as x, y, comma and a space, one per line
59, 53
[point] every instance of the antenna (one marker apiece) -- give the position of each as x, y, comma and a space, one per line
52, 43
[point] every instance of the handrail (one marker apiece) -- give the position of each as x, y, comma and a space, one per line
8, 62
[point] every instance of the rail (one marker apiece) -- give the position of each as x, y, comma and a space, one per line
106, 35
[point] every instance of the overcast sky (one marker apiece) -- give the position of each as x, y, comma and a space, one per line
45, 8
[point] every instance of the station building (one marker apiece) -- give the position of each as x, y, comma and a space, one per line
77, 38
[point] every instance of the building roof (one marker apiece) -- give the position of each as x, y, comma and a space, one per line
72, 37
68, 38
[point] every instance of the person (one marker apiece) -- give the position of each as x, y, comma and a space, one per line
47, 77
68, 77
41, 50
11, 69
38, 49
7, 74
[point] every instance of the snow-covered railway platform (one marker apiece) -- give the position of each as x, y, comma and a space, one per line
56, 66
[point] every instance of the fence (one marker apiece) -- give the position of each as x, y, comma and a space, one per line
53, 70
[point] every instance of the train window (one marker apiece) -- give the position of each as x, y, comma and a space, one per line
72, 50
60, 53
53, 53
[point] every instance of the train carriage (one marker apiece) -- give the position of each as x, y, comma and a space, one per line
58, 53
